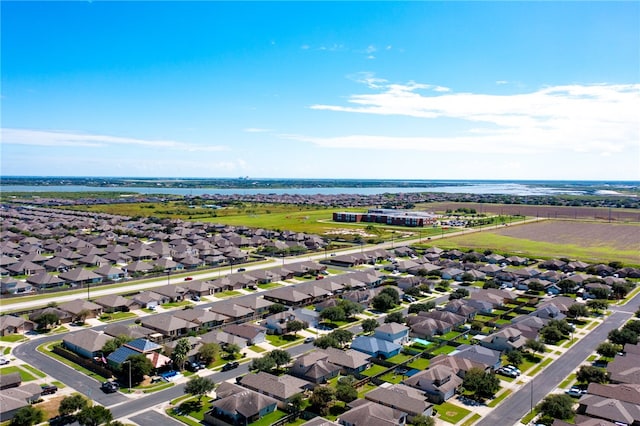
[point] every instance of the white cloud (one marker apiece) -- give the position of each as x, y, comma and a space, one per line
580, 118
52, 138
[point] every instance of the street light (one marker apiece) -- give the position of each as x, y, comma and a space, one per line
129, 362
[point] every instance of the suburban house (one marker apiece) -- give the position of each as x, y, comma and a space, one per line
438, 382
364, 412
478, 354
238, 406
115, 303
401, 397
281, 388
205, 318
504, 340
14, 398
135, 347
314, 367
10, 380
169, 325
14, 325
625, 368
392, 332
619, 403
86, 343
351, 361
289, 296
223, 339
233, 311
149, 299
375, 347
79, 307
254, 334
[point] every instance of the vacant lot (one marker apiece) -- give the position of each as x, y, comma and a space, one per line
588, 241
548, 212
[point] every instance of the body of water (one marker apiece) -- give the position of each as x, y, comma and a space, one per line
520, 189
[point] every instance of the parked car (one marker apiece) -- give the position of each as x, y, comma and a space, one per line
48, 389
195, 298
513, 368
242, 269
309, 340
189, 279
320, 277
230, 366
576, 392
3, 361
195, 366
507, 372
109, 387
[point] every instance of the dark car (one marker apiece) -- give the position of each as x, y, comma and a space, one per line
189, 279
109, 387
230, 366
195, 366
48, 389
241, 269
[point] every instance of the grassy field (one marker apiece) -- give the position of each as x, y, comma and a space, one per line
607, 242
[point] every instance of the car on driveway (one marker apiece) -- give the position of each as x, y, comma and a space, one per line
507, 372
195, 366
576, 392
3, 361
230, 366
48, 389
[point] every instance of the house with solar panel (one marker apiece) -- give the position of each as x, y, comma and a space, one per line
134, 347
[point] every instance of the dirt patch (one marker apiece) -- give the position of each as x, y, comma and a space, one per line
586, 234
50, 406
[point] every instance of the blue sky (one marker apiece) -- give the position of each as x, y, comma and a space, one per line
406, 90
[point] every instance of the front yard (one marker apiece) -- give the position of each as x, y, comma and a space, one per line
451, 413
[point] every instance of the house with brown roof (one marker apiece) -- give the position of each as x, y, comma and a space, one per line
625, 369
79, 277
254, 334
237, 405
350, 360
13, 399
289, 296
79, 306
401, 397
314, 367
86, 343
233, 311
222, 338
169, 325
503, 340
205, 318
619, 403
282, 388
116, 303
364, 412
439, 382
10, 324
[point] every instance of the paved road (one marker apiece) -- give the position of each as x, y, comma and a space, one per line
151, 418
511, 410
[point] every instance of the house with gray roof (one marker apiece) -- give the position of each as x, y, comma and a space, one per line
392, 332
237, 405
10, 324
234, 311
375, 347
281, 388
254, 334
439, 382
86, 343
169, 325
365, 412
403, 398
479, 354
314, 367
115, 303
13, 399
205, 318
79, 306
222, 338
617, 403
79, 277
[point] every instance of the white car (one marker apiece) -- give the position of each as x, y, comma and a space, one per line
3, 361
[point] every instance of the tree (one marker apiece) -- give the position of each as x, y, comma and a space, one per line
180, 353
535, 286
295, 403
232, 349
140, 366
557, 406
514, 357
413, 291
490, 283
209, 352
382, 302
633, 326
321, 399
294, 326
535, 346
476, 325
551, 334
113, 344
71, 404
199, 386
345, 391
393, 293
325, 342
264, 363
369, 325
27, 416
590, 374
94, 416
83, 315
280, 357
608, 349
341, 336
577, 310
396, 317
623, 336
421, 307
482, 384
350, 308
597, 305
460, 293
600, 293
467, 277
567, 286
47, 319
422, 420
333, 314
276, 308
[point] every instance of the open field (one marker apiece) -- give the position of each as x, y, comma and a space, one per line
548, 212
587, 241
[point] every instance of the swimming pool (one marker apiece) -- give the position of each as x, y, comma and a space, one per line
421, 341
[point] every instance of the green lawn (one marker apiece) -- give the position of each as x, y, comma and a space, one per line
269, 285
392, 377
419, 364
471, 420
228, 293
270, 418
568, 381
286, 339
117, 316
366, 388
399, 359
45, 349
176, 304
451, 413
527, 419
12, 338
257, 349
499, 399
26, 376
373, 370
450, 335
540, 367
446, 349
33, 370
